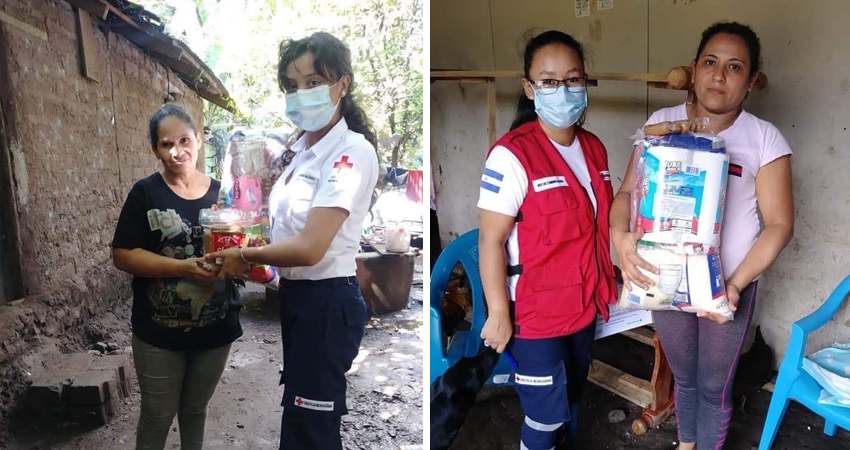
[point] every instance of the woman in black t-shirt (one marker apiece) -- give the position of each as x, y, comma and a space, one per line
184, 319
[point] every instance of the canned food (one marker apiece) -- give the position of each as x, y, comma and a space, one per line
221, 237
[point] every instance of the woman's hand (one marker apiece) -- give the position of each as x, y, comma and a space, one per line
497, 331
232, 264
625, 245
193, 270
733, 296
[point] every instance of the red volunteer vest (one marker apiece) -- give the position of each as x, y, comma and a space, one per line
566, 273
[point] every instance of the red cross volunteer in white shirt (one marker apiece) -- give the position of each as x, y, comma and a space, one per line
317, 208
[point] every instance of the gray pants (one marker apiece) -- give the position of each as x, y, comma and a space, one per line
703, 357
172, 383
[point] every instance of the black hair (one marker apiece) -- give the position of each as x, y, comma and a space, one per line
332, 60
525, 106
736, 29
165, 111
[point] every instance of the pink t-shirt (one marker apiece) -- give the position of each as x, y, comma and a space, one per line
751, 144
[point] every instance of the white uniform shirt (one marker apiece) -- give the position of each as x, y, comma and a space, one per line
341, 171
509, 192
505, 183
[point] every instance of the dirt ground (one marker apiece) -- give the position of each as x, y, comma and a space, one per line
495, 420
385, 392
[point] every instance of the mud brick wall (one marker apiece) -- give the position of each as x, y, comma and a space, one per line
76, 147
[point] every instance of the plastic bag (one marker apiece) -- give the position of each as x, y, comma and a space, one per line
672, 127
398, 238
229, 227
222, 229
830, 367
678, 199
253, 162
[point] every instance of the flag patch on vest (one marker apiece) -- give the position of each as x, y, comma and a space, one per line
533, 381
542, 184
315, 405
606, 175
491, 180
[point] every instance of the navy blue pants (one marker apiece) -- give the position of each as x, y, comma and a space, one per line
549, 378
322, 324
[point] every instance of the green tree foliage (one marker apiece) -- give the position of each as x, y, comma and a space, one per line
239, 40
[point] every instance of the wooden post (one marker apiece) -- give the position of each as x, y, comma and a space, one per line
491, 109
97, 8
5, 18
11, 276
88, 49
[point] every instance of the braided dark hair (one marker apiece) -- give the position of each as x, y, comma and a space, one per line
332, 60
525, 106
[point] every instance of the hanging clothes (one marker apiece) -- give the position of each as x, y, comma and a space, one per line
416, 186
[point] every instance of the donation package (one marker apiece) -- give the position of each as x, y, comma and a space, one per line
677, 199
252, 164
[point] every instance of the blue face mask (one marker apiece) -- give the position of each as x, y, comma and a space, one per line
562, 108
310, 109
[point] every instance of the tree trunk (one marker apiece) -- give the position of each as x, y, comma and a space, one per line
395, 156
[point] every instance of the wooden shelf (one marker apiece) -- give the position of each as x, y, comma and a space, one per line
484, 75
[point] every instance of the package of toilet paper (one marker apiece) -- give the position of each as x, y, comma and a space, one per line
677, 199
680, 185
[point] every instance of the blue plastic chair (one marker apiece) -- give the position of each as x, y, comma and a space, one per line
463, 250
793, 383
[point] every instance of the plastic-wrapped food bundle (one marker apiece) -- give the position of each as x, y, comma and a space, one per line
677, 199
222, 229
252, 164
229, 227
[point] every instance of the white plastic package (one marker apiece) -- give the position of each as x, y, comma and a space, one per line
398, 238
677, 199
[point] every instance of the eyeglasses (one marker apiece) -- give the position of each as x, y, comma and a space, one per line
550, 86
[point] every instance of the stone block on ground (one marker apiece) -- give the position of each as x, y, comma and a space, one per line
79, 388
48, 385
118, 364
94, 387
45, 392
91, 415
67, 362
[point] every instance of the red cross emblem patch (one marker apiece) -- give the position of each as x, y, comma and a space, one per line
343, 164
298, 401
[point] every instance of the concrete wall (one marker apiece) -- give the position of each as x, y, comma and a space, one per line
76, 147
808, 99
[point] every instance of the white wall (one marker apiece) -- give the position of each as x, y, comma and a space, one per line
806, 57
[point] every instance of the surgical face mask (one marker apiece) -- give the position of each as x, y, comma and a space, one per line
311, 109
562, 107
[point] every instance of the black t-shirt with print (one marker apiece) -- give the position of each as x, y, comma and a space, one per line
175, 313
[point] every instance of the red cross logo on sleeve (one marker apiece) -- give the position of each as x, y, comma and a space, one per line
298, 401
343, 164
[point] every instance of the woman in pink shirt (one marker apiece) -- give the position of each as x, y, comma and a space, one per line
703, 349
